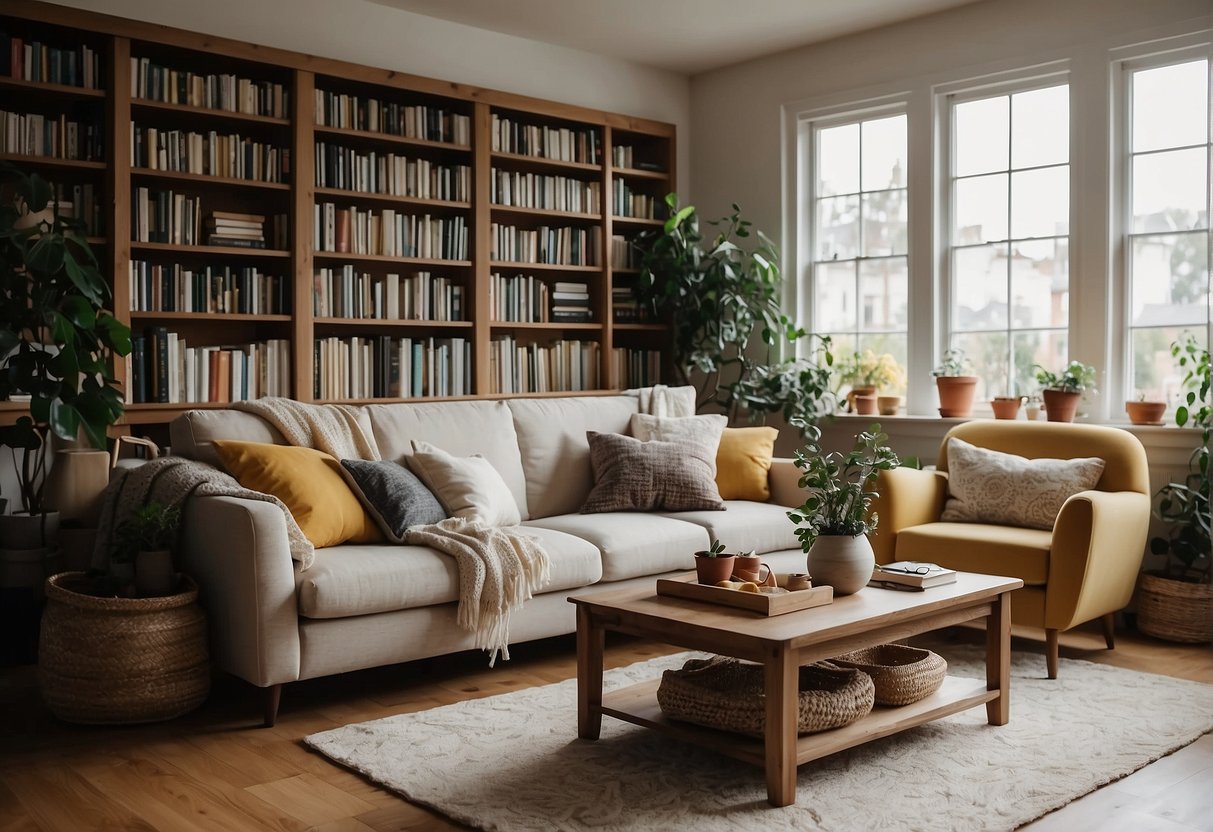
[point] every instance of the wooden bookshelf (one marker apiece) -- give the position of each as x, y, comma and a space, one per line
448, 111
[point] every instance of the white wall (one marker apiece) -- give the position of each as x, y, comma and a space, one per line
375, 35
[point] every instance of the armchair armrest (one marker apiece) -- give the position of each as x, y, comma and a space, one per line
906, 497
238, 552
784, 478
1099, 541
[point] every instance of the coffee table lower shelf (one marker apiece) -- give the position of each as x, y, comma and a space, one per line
638, 704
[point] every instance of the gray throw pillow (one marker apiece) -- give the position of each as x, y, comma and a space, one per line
392, 495
630, 475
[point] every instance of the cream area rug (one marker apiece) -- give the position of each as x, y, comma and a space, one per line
513, 762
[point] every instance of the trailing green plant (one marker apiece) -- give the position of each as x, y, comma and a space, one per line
152, 528
839, 485
953, 363
1075, 378
56, 337
723, 300
715, 550
1184, 506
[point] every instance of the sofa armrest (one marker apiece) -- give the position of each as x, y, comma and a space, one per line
238, 552
905, 497
1099, 541
784, 481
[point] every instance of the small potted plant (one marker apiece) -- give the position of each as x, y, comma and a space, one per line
1063, 390
712, 565
1144, 412
1032, 407
868, 373
956, 384
833, 523
1006, 407
146, 539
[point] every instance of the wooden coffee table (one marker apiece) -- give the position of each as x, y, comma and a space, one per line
782, 644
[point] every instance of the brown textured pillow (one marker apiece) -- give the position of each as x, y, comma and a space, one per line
630, 475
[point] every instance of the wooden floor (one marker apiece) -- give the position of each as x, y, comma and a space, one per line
215, 770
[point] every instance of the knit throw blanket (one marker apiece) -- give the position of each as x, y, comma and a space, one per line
170, 481
333, 428
499, 569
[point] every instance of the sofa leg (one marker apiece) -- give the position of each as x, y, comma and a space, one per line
1109, 630
270, 697
1051, 652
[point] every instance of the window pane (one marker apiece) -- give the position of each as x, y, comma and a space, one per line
838, 228
884, 223
882, 292
1155, 373
1048, 349
1040, 127
895, 345
981, 209
979, 287
834, 297
838, 160
1040, 202
1169, 191
1170, 280
982, 135
1040, 283
884, 153
988, 353
1170, 106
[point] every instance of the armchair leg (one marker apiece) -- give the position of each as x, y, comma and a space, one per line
1051, 652
1109, 630
270, 697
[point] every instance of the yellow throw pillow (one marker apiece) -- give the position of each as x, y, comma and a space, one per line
309, 483
743, 461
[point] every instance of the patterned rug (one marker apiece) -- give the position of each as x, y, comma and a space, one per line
513, 762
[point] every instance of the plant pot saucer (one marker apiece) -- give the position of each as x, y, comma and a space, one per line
1160, 423
950, 413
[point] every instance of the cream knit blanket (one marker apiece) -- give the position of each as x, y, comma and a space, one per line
499, 569
335, 429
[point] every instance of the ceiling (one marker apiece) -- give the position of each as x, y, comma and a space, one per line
685, 36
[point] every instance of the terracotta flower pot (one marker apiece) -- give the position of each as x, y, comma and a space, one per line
1146, 413
855, 393
956, 394
1006, 407
1061, 405
888, 405
865, 405
712, 571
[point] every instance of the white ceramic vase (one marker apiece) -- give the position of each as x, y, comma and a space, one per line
841, 561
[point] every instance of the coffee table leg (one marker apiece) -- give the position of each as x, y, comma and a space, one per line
590, 641
782, 689
998, 660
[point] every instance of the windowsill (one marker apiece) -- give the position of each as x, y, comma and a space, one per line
1183, 435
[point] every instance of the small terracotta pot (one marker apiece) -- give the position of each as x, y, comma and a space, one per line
1146, 413
1006, 407
956, 394
855, 393
865, 405
750, 568
712, 571
1032, 411
888, 405
1061, 405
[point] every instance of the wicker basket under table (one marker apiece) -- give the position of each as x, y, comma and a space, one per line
901, 674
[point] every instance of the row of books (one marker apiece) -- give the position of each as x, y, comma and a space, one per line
76, 66
175, 218
209, 154
560, 246
386, 367
225, 91
528, 299
624, 156
626, 308
628, 203
552, 193
33, 134
210, 290
389, 233
79, 202
624, 255
342, 167
412, 121
164, 368
344, 293
560, 366
565, 144
636, 368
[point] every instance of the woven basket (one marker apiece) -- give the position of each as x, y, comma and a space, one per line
1175, 610
121, 660
901, 674
724, 693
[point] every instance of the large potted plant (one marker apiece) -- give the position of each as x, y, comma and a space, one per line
1063, 390
1176, 602
956, 384
722, 298
834, 521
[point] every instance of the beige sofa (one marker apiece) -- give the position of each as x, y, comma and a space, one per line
363, 606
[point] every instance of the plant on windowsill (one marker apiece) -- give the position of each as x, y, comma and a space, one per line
722, 297
956, 384
1176, 603
834, 521
1063, 390
868, 374
1144, 412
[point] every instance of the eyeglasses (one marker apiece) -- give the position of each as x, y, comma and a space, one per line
910, 568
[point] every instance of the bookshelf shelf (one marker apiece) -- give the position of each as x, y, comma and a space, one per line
640, 173
206, 179
225, 251
207, 316
543, 267
391, 199
350, 257
393, 323
554, 326
511, 210
518, 161
635, 327
388, 138
206, 112
638, 221
43, 88
51, 161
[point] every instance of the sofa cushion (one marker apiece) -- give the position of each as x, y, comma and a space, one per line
556, 458
978, 547
467, 486
360, 580
193, 433
630, 475
460, 429
633, 544
702, 430
392, 495
745, 525
743, 463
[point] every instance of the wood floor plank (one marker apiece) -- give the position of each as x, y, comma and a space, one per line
310, 799
343, 825
59, 798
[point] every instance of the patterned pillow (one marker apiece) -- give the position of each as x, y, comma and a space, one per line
630, 475
705, 429
392, 495
987, 486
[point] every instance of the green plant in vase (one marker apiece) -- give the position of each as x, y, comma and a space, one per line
955, 383
1062, 390
145, 542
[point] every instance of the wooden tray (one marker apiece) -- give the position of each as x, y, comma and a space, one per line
758, 602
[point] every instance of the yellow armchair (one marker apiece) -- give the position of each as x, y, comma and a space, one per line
1084, 568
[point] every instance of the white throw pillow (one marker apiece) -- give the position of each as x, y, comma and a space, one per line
703, 430
467, 486
987, 486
